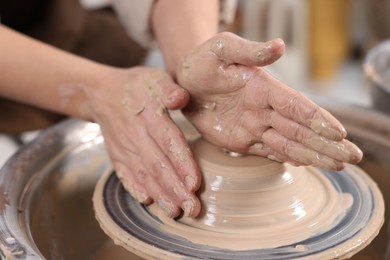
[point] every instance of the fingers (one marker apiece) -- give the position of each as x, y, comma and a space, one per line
172, 188
148, 186
343, 150
153, 167
263, 150
171, 142
154, 179
136, 189
172, 174
259, 121
167, 135
295, 106
233, 49
149, 173
298, 152
162, 88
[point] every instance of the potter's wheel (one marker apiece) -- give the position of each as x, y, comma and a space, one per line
321, 215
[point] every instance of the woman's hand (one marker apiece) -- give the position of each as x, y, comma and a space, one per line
238, 105
147, 149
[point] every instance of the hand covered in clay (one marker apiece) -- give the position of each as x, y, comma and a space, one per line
147, 149
238, 105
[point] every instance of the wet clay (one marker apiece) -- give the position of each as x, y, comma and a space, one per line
250, 202
60, 220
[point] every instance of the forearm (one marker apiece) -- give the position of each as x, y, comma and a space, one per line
180, 25
40, 75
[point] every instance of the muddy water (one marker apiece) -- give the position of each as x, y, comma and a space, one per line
64, 225
62, 219
114, 252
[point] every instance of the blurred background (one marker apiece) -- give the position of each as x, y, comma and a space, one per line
326, 41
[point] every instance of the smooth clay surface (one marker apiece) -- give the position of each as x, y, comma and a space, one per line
250, 204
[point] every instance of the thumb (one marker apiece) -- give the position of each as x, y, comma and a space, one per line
173, 96
233, 49
161, 87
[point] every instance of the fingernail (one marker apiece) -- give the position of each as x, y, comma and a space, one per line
188, 207
273, 158
166, 206
357, 155
349, 153
263, 54
294, 164
279, 41
139, 196
190, 182
177, 98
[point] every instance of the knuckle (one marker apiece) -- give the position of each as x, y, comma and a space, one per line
299, 133
156, 169
286, 146
142, 176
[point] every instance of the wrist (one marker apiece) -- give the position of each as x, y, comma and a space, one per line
87, 99
190, 28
